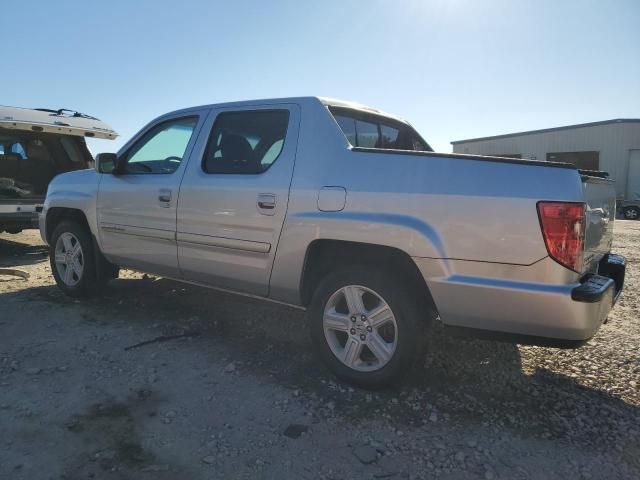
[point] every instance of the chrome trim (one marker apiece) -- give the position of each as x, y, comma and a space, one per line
223, 242
153, 233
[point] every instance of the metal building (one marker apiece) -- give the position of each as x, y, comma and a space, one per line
610, 145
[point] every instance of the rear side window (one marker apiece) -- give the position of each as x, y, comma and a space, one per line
71, 148
245, 142
348, 127
367, 134
389, 136
376, 131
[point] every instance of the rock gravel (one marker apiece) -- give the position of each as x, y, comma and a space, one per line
245, 398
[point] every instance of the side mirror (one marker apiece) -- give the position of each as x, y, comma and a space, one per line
106, 162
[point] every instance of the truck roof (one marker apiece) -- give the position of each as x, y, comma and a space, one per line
61, 121
326, 101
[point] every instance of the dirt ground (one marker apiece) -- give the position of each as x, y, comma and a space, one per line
241, 396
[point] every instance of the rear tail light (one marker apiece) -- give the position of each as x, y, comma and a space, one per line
563, 225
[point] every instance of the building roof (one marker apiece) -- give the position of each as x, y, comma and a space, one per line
547, 130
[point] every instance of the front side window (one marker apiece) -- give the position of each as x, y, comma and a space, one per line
245, 142
366, 130
162, 148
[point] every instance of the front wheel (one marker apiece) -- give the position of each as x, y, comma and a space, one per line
631, 213
367, 325
72, 259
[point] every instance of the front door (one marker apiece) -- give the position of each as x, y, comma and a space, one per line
137, 207
234, 195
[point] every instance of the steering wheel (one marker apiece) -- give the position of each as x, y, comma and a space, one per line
144, 166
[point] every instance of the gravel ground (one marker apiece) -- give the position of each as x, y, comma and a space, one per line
242, 397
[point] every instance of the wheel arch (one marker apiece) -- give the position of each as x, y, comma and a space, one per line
55, 215
324, 255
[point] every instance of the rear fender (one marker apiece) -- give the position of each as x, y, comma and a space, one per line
405, 233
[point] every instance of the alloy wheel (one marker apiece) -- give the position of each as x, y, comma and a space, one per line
69, 259
360, 328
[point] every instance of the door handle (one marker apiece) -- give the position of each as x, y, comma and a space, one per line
164, 196
267, 203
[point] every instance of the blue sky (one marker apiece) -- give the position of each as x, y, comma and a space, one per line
454, 68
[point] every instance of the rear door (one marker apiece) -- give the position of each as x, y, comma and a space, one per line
234, 195
137, 209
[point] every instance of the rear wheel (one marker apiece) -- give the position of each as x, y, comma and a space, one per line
367, 326
72, 259
631, 213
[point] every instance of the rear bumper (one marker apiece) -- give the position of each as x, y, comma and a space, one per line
530, 312
22, 214
594, 288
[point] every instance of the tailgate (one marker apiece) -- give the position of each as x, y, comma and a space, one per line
600, 197
62, 121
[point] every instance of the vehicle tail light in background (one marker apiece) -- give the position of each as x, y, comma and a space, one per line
563, 225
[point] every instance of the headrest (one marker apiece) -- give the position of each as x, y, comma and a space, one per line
237, 148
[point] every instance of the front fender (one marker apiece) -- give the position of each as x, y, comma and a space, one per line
75, 190
70, 200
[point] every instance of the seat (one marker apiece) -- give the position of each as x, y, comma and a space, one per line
9, 164
237, 156
37, 170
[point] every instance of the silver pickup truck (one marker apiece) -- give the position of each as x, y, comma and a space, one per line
347, 212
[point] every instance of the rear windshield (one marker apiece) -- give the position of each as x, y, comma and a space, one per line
368, 130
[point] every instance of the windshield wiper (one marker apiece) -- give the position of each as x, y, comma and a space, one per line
61, 112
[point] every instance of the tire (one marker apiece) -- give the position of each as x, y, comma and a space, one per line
73, 263
631, 213
404, 332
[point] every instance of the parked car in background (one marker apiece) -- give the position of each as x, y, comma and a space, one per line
630, 209
35, 146
345, 211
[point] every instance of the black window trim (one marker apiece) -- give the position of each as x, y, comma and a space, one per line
153, 127
563, 154
366, 116
245, 110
